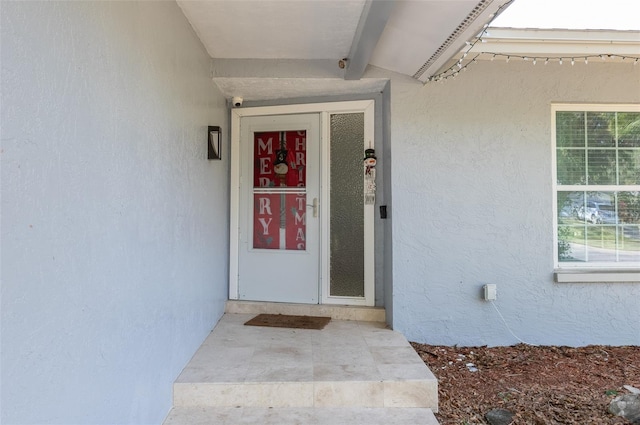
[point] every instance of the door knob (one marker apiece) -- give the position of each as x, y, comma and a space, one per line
314, 205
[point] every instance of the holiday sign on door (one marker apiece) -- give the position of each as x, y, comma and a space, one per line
279, 190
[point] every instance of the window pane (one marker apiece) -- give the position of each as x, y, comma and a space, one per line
571, 166
629, 207
279, 159
598, 226
570, 129
629, 129
347, 206
279, 221
630, 237
571, 244
629, 166
569, 205
601, 128
601, 243
571, 226
602, 167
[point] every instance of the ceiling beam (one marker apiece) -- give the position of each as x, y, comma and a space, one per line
375, 15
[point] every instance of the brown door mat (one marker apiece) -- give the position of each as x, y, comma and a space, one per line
286, 321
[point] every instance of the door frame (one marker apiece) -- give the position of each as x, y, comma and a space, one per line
325, 110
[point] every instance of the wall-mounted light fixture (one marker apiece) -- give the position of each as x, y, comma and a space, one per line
214, 136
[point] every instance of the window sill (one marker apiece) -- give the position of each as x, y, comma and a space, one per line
598, 276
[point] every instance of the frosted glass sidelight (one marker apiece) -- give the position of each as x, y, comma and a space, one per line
347, 205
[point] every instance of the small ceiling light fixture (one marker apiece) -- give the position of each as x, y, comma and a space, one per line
214, 139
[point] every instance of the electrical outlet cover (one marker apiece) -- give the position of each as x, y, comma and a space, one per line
490, 292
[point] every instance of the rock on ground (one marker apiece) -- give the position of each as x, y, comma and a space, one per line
627, 406
499, 417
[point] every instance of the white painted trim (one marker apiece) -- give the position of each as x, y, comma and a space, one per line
234, 199
554, 182
544, 35
369, 218
527, 41
333, 107
598, 107
366, 106
325, 158
611, 276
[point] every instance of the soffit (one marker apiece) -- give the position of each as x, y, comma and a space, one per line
325, 29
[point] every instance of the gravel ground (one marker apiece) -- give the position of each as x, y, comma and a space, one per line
540, 385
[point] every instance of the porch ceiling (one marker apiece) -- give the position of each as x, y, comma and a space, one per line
410, 37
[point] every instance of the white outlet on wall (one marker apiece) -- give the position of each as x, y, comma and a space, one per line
490, 292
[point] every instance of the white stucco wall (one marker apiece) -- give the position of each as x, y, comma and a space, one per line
472, 204
114, 225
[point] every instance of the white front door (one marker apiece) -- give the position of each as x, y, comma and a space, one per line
279, 214
296, 172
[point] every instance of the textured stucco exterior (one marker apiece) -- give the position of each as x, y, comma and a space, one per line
114, 225
472, 204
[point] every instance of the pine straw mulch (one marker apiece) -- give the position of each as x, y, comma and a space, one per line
541, 385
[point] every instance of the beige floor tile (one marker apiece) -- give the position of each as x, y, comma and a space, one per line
395, 355
348, 394
410, 394
249, 395
260, 372
345, 372
343, 355
402, 372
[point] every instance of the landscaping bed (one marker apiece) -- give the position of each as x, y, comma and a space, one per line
539, 385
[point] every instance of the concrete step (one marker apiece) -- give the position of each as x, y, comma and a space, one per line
346, 364
369, 393
299, 415
354, 370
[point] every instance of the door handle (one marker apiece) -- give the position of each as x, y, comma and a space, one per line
314, 205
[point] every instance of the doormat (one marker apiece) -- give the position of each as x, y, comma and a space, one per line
285, 321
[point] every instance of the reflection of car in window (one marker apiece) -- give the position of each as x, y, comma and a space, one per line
598, 213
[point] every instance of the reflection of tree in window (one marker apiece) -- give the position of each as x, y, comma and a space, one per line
570, 143
601, 129
629, 137
629, 207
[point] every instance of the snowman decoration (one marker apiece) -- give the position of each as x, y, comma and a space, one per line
280, 167
370, 176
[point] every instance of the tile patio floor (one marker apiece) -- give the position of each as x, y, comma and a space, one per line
351, 372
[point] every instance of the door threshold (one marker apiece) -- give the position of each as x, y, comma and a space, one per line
336, 312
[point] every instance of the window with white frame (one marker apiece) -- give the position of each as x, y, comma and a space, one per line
597, 185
